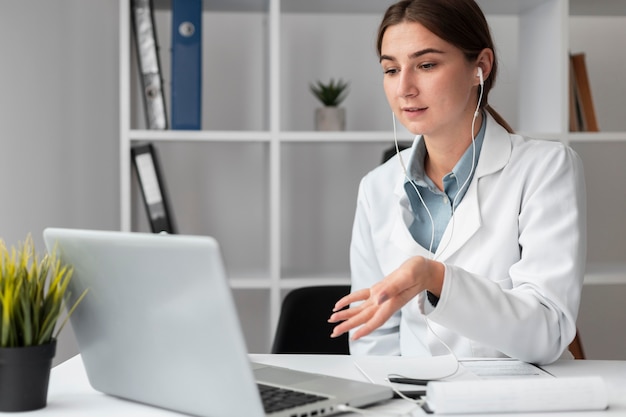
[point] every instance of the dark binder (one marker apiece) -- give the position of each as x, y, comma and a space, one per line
186, 64
152, 187
149, 64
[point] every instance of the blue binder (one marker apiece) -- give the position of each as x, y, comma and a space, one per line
186, 64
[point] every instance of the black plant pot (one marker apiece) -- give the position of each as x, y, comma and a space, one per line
24, 376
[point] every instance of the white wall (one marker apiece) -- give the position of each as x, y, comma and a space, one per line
58, 120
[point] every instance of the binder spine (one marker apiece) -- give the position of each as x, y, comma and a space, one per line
186, 64
149, 63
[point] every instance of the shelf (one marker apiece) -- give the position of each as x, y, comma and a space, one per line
249, 283
577, 7
382, 137
603, 273
280, 197
199, 135
287, 282
291, 283
583, 137
341, 137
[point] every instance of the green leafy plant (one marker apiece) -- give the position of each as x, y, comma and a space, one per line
330, 94
31, 295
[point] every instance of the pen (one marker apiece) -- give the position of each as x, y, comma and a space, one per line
412, 381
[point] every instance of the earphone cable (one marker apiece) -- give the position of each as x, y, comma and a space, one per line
465, 183
408, 178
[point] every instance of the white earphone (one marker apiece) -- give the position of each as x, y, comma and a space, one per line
479, 73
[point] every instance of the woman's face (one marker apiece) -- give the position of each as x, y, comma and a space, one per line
428, 82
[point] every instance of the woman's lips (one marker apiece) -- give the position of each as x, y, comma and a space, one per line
414, 111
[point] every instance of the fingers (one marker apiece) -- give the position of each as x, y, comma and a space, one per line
362, 314
371, 313
381, 315
341, 313
351, 318
367, 317
360, 295
346, 326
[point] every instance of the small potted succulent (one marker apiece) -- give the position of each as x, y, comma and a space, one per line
331, 95
32, 292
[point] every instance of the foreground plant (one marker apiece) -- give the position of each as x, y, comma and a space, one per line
32, 295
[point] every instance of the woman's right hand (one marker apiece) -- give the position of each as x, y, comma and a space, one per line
375, 305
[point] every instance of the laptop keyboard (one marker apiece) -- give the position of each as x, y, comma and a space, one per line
277, 399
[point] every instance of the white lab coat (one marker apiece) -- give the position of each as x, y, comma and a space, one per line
514, 255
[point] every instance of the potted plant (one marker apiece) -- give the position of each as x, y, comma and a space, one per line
32, 293
331, 94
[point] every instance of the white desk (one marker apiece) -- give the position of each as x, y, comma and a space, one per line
71, 395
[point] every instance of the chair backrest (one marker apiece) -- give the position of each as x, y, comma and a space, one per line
303, 323
576, 347
391, 151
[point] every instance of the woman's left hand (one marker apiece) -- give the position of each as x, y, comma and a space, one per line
379, 302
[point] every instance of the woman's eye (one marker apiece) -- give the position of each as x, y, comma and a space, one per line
390, 71
427, 66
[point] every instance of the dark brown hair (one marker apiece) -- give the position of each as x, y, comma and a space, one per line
459, 22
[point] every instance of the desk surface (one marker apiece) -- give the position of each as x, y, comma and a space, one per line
71, 395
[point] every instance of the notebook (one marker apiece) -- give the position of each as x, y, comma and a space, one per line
159, 326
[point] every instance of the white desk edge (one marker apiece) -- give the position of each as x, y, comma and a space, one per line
71, 395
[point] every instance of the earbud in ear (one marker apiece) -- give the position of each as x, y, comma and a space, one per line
479, 74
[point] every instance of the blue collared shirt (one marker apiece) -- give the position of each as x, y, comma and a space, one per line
439, 202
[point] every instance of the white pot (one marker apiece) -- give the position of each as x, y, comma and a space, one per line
330, 118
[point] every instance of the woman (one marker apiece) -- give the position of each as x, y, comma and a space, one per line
479, 240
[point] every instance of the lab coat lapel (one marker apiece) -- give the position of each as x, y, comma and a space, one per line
401, 240
462, 227
495, 153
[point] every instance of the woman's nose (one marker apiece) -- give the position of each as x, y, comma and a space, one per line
406, 85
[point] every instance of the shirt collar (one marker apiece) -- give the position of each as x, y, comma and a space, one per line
461, 170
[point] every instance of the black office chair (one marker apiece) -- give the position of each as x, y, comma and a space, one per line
303, 323
391, 151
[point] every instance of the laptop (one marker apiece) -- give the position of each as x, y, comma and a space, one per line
159, 326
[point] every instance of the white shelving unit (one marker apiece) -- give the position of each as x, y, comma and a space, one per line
278, 196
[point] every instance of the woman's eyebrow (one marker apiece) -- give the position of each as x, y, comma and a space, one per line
416, 54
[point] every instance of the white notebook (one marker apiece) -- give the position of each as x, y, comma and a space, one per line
517, 395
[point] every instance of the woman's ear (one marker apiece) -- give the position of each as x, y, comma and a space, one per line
484, 62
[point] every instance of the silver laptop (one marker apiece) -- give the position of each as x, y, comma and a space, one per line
159, 326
